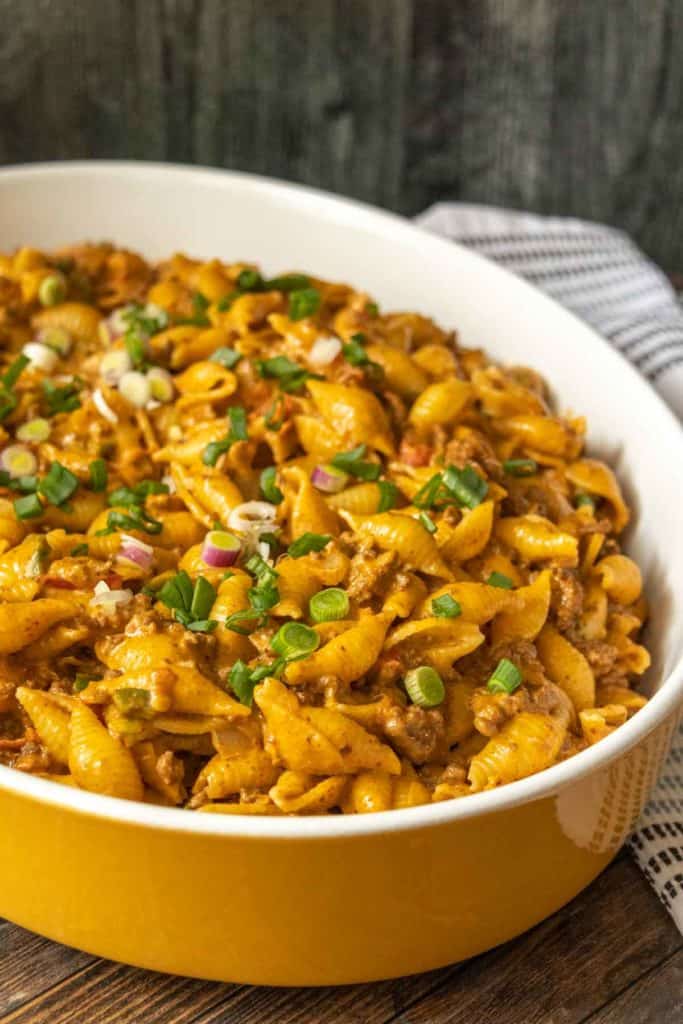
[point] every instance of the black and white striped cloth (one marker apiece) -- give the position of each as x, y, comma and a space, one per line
600, 275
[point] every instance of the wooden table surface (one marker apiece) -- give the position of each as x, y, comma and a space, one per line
613, 956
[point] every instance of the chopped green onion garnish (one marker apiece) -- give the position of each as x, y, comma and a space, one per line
388, 494
289, 374
446, 607
14, 371
584, 500
80, 683
353, 351
372, 309
59, 484
427, 495
190, 604
287, 283
466, 485
308, 542
294, 641
243, 679
136, 519
424, 686
269, 488
303, 302
351, 462
28, 507
137, 494
79, 550
98, 475
520, 467
35, 430
226, 357
237, 432
52, 289
428, 523
136, 347
202, 599
62, 398
249, 280
242, 683
506, 677
499, 579
329, 605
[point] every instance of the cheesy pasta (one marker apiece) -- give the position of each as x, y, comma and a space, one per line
265, 549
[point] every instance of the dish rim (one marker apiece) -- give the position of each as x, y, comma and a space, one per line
662, 705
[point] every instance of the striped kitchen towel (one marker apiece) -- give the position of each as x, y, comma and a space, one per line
600, 275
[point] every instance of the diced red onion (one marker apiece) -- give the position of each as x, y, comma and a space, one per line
329, 479
324, 351
135, 551
220, 549
18, 460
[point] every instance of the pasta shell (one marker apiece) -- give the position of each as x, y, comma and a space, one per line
393, 531
97, 761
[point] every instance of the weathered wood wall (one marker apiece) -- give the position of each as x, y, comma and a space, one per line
566, 106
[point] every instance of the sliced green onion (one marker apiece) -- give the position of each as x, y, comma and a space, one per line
35, 430
427, 495
14, 371
79, 550
226, 357
52, 290
499, 579
63, 398
372, 309
329, 605
351, 462
249, 280
388, 495
353, 351
506, 677
520, 467
294, 641
289, 374
424, 686
584, 501
446, 607
466, 485
428, 523
80, 683
308, 542
98, 475
242, 683
56, 338
303, 302
58, 485
136, 519
28, 507
269, 488
202, 599
137, 494
287, 283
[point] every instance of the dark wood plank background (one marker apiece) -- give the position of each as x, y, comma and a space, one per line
565, 106
612, 956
